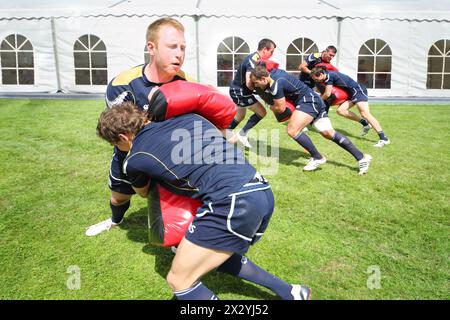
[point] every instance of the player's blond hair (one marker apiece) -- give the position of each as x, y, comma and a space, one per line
153, 29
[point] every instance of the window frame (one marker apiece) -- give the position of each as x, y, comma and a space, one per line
90, 49
444, 55
233, 52
375, 53
16, 49
303, 54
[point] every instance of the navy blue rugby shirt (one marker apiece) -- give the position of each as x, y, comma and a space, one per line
342, 81
247, 65
313, 59
190, 156
132, 85
285, 85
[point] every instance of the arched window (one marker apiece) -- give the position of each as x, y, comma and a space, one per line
438, 71
375, 64
89, 54
230, 53
17, 62
299, 50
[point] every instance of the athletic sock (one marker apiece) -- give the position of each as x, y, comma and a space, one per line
240, 266
197, 292
363, 122
252, 121
233, 124
346, 144
382, 136
303, 140
118, 212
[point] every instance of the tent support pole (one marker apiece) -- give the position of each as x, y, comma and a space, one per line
55, 54
338, 44
197, 39
197, 46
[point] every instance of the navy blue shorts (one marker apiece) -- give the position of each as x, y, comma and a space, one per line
242, 97
236, 222
312, 104
117, 179
359, 94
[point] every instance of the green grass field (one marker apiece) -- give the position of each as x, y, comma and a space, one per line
331, 228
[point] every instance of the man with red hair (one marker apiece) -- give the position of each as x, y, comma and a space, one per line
166, 47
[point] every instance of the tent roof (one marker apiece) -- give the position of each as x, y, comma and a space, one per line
420, 10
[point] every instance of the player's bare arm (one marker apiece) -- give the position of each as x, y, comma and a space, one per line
279, 105
304, 67
327, 93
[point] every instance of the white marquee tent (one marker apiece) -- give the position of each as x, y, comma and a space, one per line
412, 44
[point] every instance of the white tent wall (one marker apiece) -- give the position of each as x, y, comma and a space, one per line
283, 31
423, 35
410, 27
125, 45
394, 33
39, 33
409, 42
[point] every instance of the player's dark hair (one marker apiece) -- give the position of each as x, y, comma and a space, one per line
120, 119
317, 71
266, 43
331, 48
260, 70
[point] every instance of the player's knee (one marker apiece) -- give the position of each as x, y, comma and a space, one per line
327, 134
178, 280
261, 110
262, 113
171, 280
258, 109
365, 114
118, 198
292, 132
341, 111
240, 114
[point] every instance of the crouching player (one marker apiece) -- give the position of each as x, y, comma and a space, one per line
189, 154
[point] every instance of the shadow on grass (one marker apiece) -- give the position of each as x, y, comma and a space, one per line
136, 224
344, 132
350, 135
288, 156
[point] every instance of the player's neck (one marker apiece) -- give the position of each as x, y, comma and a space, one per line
156, 76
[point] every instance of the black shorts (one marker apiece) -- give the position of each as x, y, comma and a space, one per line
117, 179
236, 222
242, 97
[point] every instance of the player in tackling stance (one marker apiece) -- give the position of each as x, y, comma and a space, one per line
241, 91
358, 96
309, 109
237, 201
